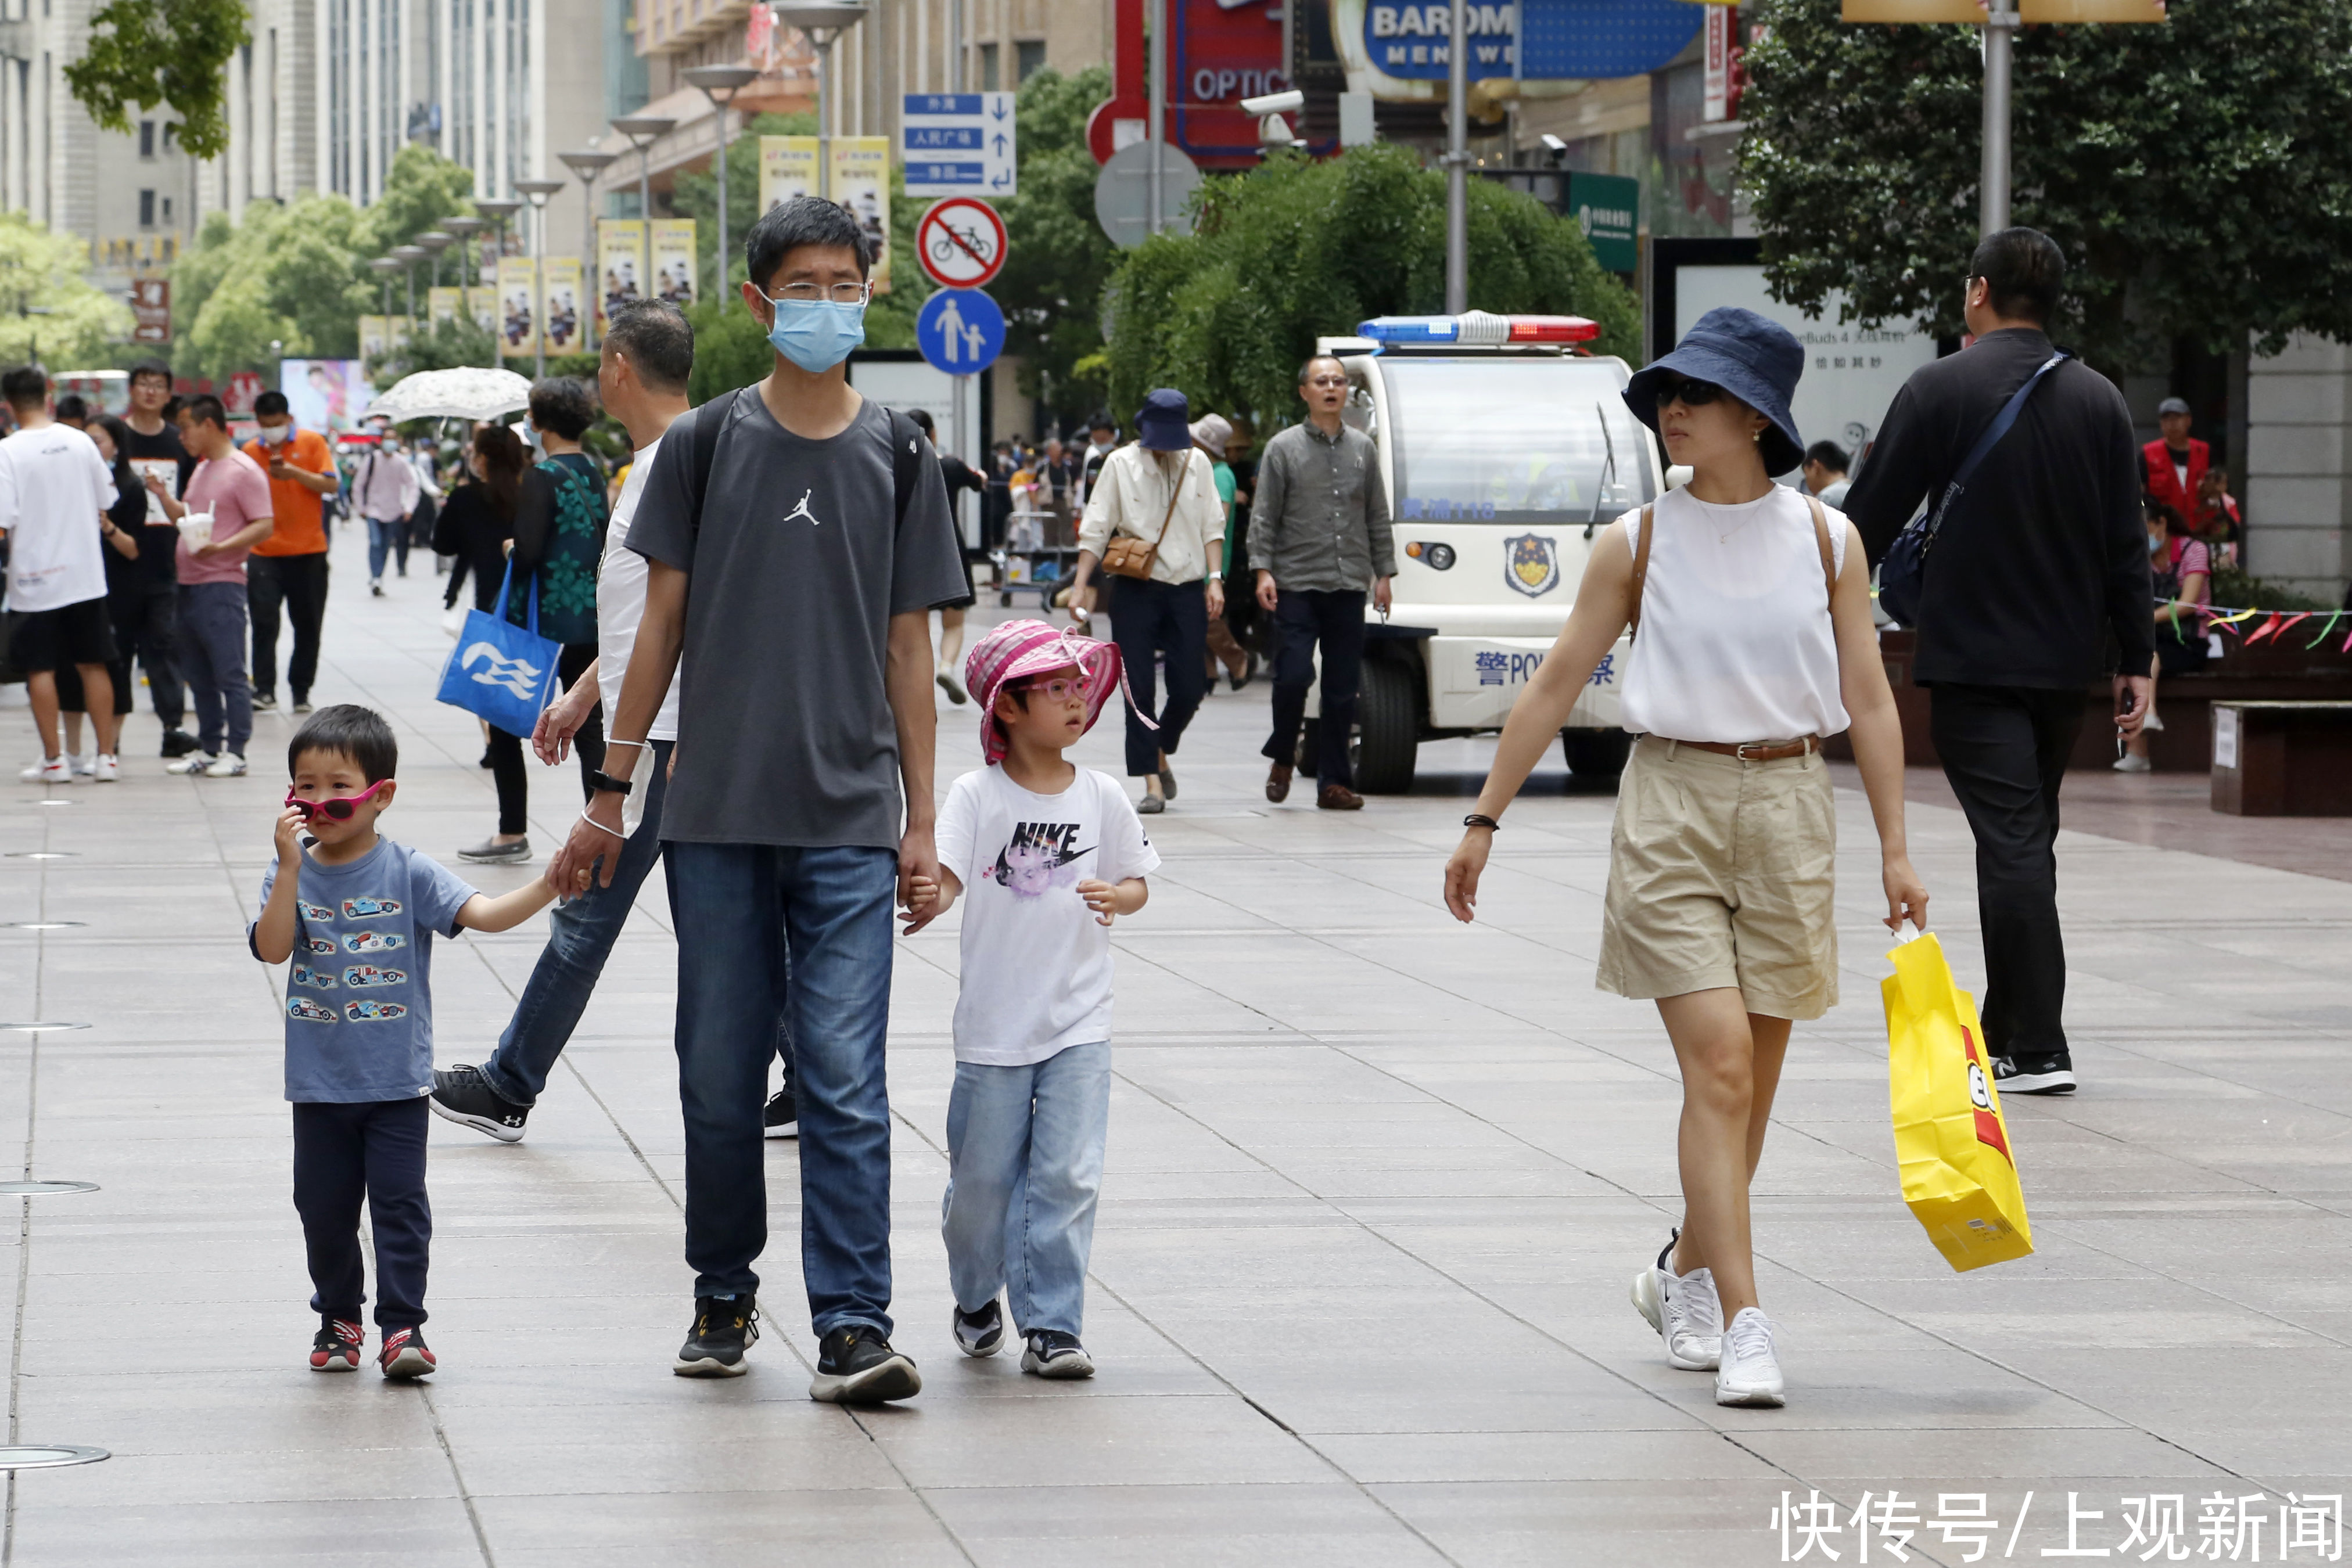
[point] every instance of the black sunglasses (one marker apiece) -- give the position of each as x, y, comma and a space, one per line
1691, 395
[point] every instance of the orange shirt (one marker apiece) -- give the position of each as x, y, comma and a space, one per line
300, 513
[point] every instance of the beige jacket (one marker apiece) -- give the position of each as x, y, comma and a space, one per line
1129, 496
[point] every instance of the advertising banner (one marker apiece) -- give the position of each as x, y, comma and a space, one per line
375, 337
860, 180
787, 169
620, 257
151, 309
1219, 55
444, 304
676, 264
560, 289
325, 395
517, 310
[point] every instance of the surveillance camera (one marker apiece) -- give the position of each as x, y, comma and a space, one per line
1553, 144
1290, 102
1275, 131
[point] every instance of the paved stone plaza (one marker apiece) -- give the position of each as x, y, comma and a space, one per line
1377, 1184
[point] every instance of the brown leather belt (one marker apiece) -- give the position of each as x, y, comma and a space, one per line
1758, 750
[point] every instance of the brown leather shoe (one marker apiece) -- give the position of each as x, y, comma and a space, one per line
1277, 782
1338, 798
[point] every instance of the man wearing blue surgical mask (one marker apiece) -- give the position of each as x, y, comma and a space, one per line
813, 527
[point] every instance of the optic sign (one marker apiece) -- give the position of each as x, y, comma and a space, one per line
961, 242
1225, 51
959, 144
1560, 40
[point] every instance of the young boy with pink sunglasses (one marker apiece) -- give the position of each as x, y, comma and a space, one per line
357, 914
1050, 854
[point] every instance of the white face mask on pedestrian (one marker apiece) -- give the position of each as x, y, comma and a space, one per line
277, 434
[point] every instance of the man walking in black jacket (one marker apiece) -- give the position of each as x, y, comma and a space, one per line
2041, 557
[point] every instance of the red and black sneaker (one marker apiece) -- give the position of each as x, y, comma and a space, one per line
405, 1355
337, 1348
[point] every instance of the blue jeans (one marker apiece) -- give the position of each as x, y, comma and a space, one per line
746, 913
1025, 1164
212, 656
385, 537
581, 934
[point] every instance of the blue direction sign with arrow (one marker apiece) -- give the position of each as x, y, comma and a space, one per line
959, 144
959, 330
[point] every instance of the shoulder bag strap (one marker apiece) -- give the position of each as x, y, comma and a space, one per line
906, 464
1175, 491
708, 421
1641, 567
1829, 556
1987, 441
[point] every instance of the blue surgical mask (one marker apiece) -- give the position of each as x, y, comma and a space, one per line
816, 334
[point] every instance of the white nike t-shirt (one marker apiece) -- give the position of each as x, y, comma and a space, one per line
1036, 962
53, 485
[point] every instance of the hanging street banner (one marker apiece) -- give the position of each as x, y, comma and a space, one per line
787, 169
2032, 12
960, 242
151, 309
959, 144
676, 261
620, 256
859, 182
560, 292
443, 304
518, 306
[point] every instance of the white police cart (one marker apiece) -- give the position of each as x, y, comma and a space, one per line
1505, 450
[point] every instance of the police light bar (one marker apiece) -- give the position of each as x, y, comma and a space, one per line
1477, 330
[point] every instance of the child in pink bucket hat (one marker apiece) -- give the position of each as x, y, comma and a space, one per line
1048, 854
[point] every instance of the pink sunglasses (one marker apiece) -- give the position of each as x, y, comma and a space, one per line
341, 808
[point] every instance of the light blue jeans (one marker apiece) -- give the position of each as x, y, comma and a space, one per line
1025, 1164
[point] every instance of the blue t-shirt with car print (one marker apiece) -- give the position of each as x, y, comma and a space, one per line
359, 997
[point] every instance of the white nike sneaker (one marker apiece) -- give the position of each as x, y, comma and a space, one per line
1684, 1310
105, 769
49, 770
1750, 1373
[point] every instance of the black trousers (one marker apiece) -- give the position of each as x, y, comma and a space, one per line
300, 583
376, 1150
148, 620
1152, 619
508, 764
2004, 749
1303, 618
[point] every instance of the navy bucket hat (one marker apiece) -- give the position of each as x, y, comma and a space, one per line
1164, 424
1756, 360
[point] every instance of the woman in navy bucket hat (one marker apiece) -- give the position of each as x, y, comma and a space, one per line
1751, 604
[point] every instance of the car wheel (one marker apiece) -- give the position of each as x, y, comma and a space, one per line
1596, 754
1388, 719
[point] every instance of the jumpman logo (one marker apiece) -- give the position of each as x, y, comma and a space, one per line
803, 510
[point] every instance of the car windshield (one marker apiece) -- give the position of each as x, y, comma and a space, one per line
1512, 440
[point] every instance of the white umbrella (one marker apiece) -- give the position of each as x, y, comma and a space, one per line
469, 392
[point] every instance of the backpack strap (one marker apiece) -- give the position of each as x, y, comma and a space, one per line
906, 446
709, 420
1829, 556
1641, 567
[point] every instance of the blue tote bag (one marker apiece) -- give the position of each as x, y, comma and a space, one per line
501, 671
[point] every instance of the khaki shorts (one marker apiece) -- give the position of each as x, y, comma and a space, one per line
1721, 875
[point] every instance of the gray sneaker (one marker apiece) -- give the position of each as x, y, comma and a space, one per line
490, 852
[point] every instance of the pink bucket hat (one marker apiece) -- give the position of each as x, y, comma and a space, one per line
1019, 648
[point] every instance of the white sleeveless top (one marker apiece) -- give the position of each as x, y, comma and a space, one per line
1736, 642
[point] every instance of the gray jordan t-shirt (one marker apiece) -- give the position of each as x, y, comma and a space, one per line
785, 733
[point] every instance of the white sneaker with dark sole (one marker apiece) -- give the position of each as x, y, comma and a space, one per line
982, 1332
1686, 1311
1750, 1373
1053, 1353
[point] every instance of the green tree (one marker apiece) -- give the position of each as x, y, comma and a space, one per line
173, 52
2197, 173
48, 309
1057, 259
419, 189
1298, 248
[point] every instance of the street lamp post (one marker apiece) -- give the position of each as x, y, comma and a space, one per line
585, 165
821, 21
643, 131
714, 81
537, 191
469, 273
434, 241
384, 267
2000, 24
1458, 163
408, 255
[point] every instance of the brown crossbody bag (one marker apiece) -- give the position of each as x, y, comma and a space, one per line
1126, 556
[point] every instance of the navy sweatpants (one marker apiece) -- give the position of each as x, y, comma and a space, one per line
373, 1150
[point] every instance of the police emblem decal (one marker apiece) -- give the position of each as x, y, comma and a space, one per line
1531, 564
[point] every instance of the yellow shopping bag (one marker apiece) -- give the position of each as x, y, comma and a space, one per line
1959, 1175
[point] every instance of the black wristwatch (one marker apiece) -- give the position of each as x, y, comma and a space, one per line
1480, 820
604, 783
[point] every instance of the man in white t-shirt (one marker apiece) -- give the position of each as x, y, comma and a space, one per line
54, 493
641, 377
